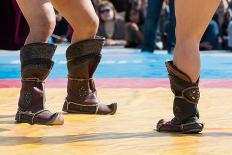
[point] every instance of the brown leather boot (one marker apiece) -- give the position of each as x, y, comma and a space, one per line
36, 64
185, 110
82, 60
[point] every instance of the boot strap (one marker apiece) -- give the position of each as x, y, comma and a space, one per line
30, 114
79, 79
90, 80
82, 105
32, 80
190, 94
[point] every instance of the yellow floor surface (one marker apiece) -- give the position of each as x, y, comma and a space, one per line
129, 132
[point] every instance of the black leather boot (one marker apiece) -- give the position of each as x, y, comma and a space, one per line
185, 109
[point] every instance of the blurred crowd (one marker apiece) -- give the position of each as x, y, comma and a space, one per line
145, 24
125, 22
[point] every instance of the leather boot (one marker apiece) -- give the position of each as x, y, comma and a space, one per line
185, 109
82, 59
36, 64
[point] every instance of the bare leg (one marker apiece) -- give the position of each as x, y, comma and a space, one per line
81, 15
192, 18
41, 18
83, 57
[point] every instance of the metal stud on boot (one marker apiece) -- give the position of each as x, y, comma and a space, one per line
82, 60
185, 109
36, 64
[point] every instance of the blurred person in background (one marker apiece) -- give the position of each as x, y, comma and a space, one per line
120, 5
229, 30
222, 17
133, 33
61, 31
144, 4
216, 35
135, 4
211, 37
96, 3
111, 26
151, 25
229, 27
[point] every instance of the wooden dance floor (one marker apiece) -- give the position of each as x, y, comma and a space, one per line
130, 131
138, 82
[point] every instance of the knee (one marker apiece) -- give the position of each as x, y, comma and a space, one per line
43, 26
89, 26
186, 35
92, 25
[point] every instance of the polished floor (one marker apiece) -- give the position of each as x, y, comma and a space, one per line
130, 131
138, 82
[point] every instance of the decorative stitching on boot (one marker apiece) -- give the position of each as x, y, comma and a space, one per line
82, 91
190, 94
37, 113
70, 102
27, 98
77, 79
97, 108
29, 113
91, 80
182, 126
81, 105
32, 80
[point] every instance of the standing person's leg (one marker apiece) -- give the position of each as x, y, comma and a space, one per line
36, 63
151, 24
40, 16
192, 18
83, 57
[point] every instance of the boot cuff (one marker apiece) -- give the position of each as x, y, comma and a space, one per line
85, 47
37, 51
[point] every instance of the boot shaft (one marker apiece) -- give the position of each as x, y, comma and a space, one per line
83, 57
82, 60
36, 63
186, 93
36, 60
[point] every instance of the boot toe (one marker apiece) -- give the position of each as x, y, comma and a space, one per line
57, 119
113, 108
164, 126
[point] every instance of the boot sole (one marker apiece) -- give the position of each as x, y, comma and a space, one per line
190, 128
65, 109
58, 119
